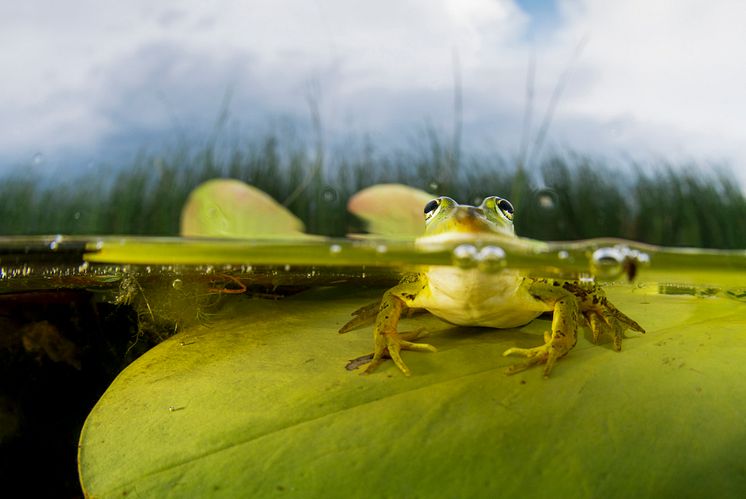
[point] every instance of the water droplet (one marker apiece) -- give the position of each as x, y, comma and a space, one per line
55, 242
37, 159
329, 195
607, 263
381, 248
465, 255
76, 215
83, 267
334, 249
287, 268
563, 255
177, 284
491, 258
546, 199
433, 186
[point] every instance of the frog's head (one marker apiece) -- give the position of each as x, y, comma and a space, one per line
444, 216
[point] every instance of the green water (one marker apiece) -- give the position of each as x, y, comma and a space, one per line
56, 261
206, 315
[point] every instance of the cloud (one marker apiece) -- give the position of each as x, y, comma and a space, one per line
670, 67
655, 79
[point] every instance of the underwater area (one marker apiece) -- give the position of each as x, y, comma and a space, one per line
205, 359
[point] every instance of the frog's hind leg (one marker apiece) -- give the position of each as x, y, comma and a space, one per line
557, 343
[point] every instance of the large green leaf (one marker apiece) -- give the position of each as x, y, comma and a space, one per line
391, 210
228, 208
258, 403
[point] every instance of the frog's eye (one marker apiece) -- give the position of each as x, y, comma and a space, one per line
431, 208
506, 208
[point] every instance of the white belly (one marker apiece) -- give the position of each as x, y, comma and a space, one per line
474, 298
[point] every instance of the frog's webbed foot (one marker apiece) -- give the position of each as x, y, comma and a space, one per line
609, 320
553, 348
389, 344
556, 343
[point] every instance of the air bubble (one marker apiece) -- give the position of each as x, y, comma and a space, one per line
546, 199
563, 255
329, 195
607, 263
382, 248
335, 248
465, 255
491, 258
177, 284
55, 243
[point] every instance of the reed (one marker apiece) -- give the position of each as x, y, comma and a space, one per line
565, 197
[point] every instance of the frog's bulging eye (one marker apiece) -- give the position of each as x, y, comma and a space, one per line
431, 208
506, 208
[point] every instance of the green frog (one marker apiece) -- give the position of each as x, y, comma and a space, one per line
506, 298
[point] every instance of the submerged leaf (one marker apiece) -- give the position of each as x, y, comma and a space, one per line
259, 404
391, 210
228, 208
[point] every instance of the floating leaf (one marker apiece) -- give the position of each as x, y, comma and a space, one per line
227, 208
259, 404
391, 210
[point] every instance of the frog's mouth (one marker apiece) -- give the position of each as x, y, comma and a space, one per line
472, 220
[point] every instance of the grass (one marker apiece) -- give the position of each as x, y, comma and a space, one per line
566, 197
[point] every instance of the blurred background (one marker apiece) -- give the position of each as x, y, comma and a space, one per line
596, 118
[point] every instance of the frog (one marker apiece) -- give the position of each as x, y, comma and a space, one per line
506, 298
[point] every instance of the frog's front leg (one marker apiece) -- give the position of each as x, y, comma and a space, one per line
573, 303
388, 342
557, 343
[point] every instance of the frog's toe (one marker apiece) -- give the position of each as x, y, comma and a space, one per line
417, 347
597, 325
391, 348
610, 324
554, 347
375, 362
544, 354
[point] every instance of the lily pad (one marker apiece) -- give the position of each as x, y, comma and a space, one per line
258, 403
227, 208
391, 210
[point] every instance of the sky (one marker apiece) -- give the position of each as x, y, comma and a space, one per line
86, 82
